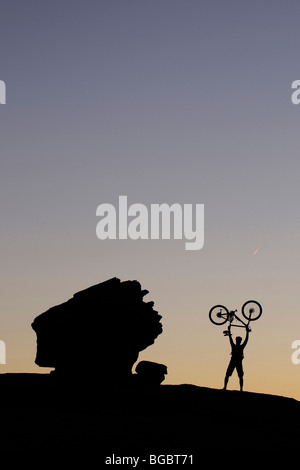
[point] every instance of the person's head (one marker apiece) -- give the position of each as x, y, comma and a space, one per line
238, 340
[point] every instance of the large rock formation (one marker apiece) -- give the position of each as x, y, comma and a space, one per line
99, 332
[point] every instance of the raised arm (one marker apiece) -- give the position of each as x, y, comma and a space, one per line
230, 336
247, 337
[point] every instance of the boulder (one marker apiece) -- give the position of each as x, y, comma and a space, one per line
99, 332
150, 373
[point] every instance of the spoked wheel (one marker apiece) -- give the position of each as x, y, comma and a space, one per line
218, 314
251, 310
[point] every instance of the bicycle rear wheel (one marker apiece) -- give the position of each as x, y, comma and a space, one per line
218, 315
251, 310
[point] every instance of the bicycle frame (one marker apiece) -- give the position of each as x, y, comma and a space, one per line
232, 316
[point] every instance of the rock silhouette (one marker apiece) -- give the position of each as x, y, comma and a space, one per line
98, 333
150, 373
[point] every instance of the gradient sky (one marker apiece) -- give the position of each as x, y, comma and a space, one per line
163, 101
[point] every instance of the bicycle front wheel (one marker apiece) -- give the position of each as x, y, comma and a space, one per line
251, 310
218, 315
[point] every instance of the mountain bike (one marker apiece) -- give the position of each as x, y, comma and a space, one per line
251, 311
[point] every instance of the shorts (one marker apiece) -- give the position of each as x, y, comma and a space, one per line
235, 365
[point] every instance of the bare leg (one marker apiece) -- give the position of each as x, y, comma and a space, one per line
229, 371
226, 381
241, 383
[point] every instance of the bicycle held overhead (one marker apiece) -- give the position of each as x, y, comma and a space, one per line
251, 311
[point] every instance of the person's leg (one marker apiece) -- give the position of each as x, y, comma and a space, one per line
241, 383
240, 372
226, 381
229, 371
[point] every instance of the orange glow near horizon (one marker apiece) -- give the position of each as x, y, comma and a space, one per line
194, 350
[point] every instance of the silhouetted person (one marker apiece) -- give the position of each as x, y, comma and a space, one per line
237, 356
